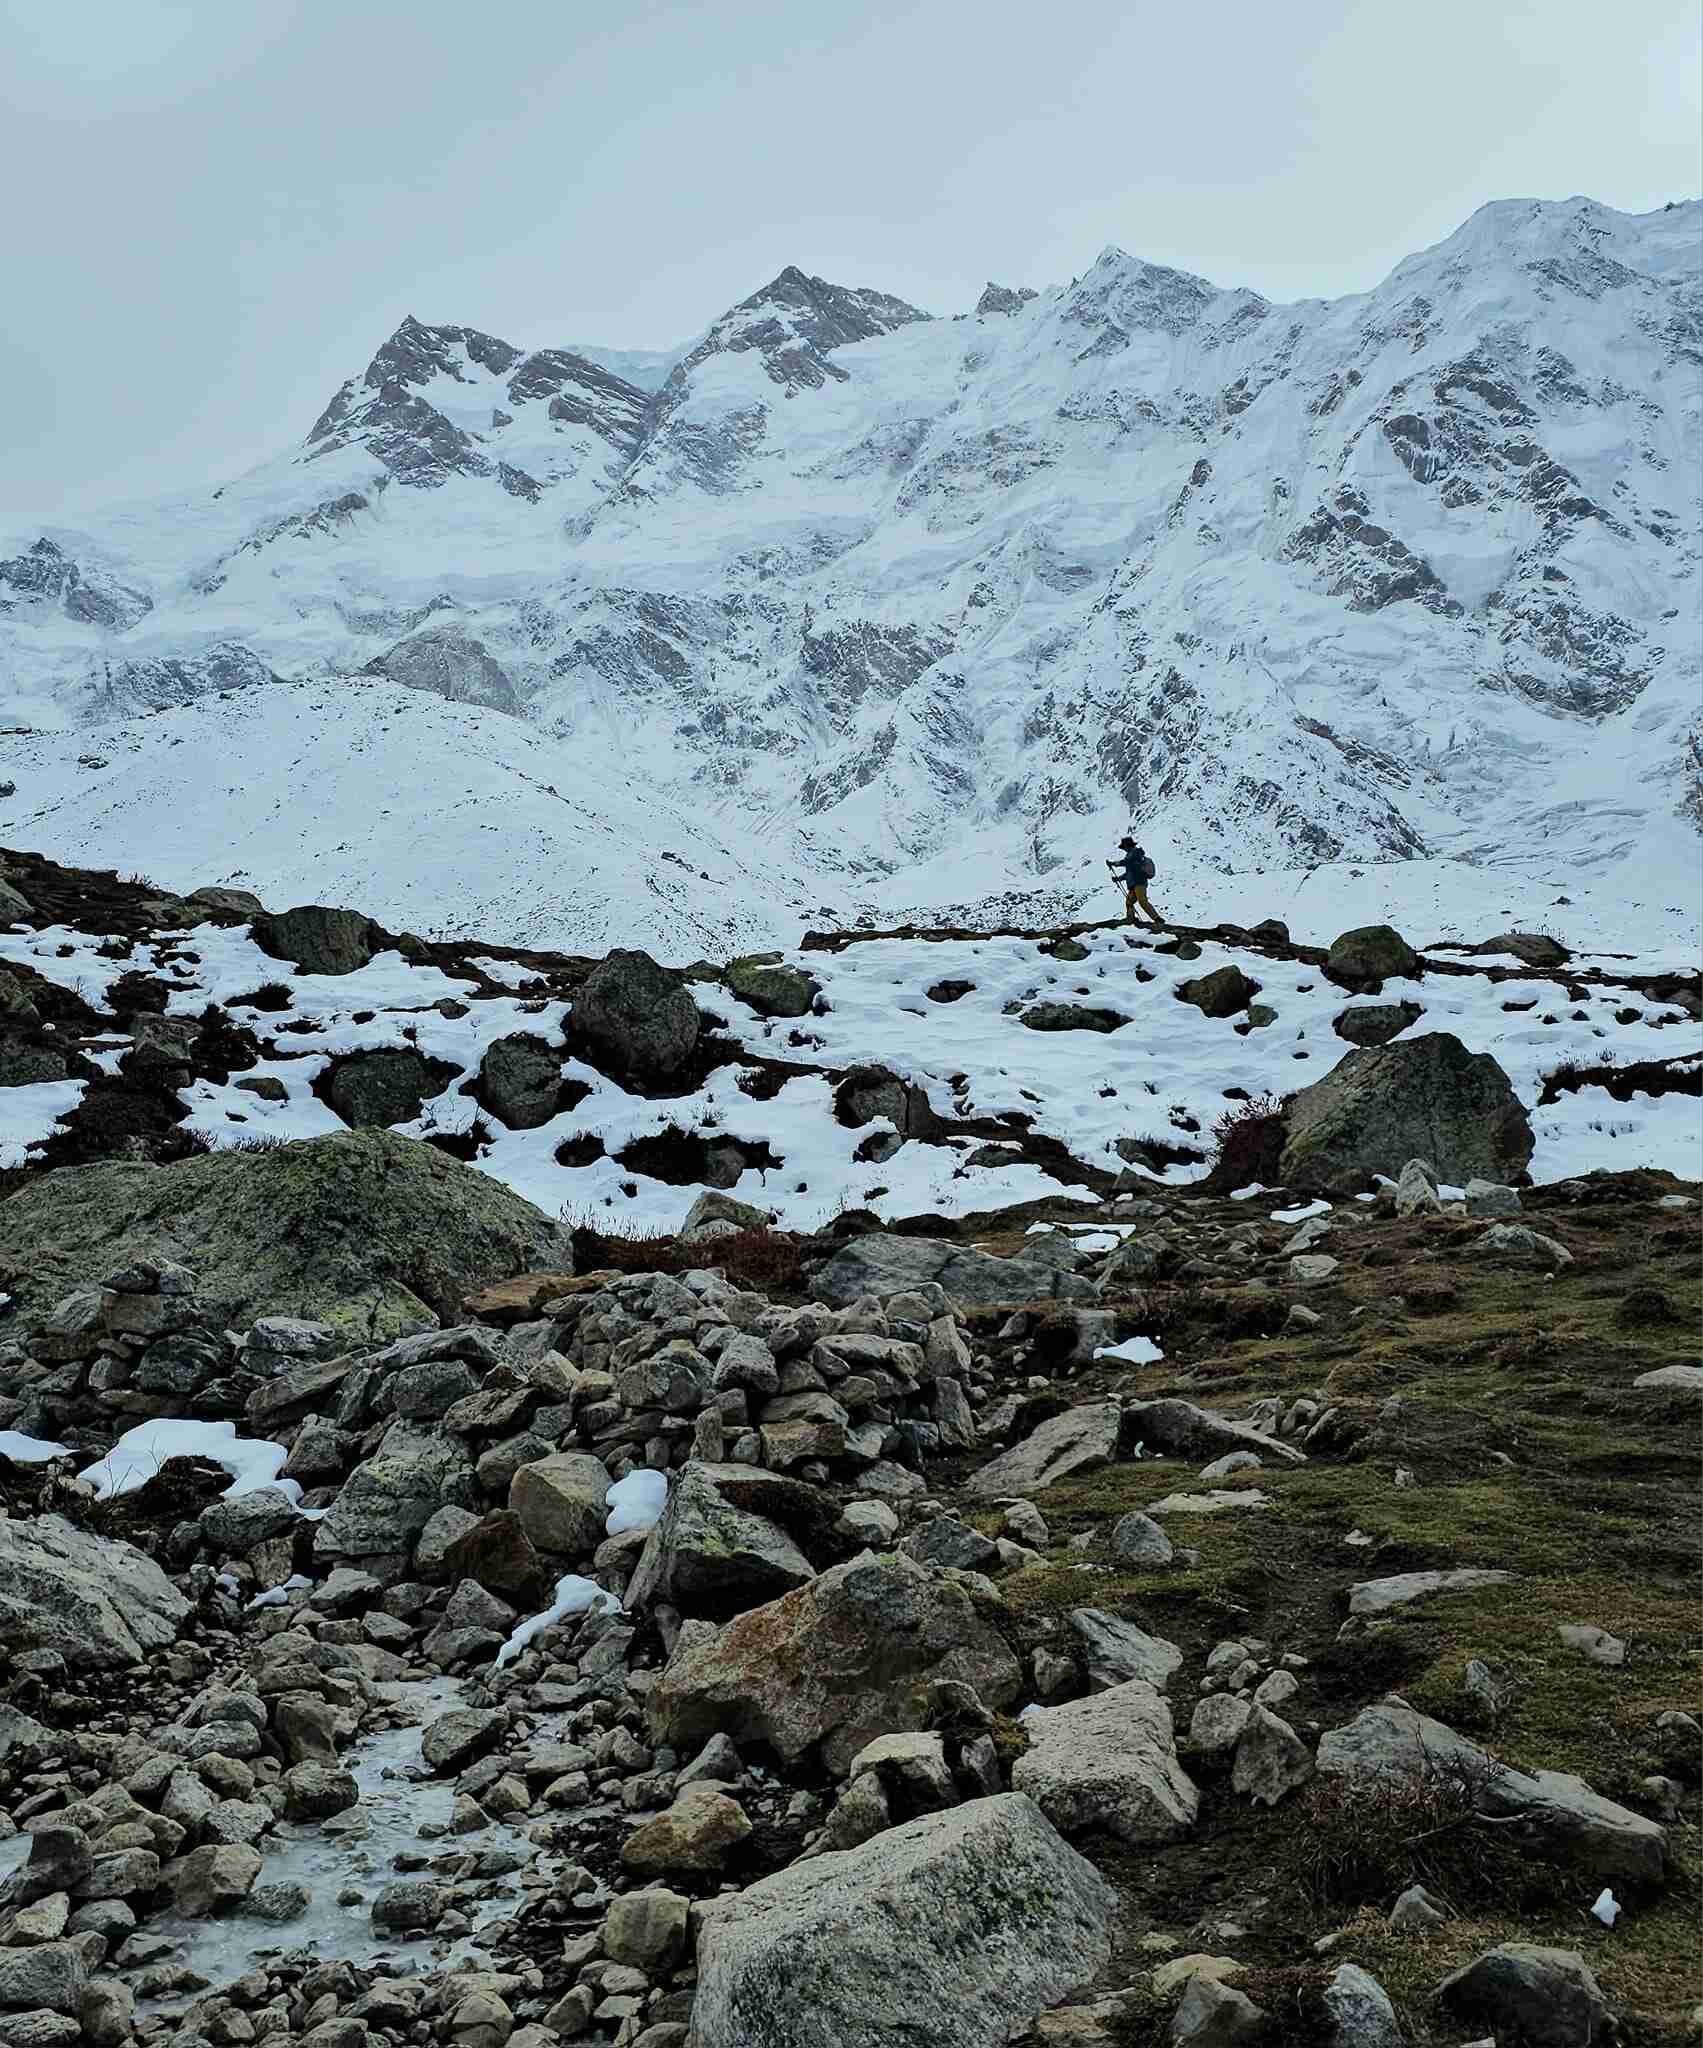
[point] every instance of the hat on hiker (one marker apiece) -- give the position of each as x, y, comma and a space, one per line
1126, 841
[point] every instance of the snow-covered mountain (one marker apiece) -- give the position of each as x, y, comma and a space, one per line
845, 604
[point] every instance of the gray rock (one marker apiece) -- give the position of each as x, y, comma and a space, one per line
709, 1556
1223, 993
1372, 1597
1175, 1425
235, 1527
1376, 1023
646, 1929
1424, 1097
882, 1264
562, 1502
1138, 1539
1369, 955
95, 1600
1215, 2015
1361, 2015
1546, 1995
461, 1737
1080, 1440
947, 1541
634, 1020
1218, 1722
215, 1879
316, 939
1416, 1912
51, 1977
385, 1503
390, 1085
1416, 1190
849, 1656
1595, 1644
1550, 1813
1108, 1764
369, 1232
1271, 1759
772, 988
853, 1950
1117, 1651
520, 1078
1684, 1382
1518, 1241
1486, 1198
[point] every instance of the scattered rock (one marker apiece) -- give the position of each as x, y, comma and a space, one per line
1547, 1995
1108, 1764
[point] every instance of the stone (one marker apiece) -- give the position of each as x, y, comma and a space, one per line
712, 1557
1313, 1269
562, 1502
94, 1599
1536, 949
695, 1834
370, 1232
1373, 1597
1425, 1097
1486, 1198
1215, 2015
634, 1020
1376, 1023
215, 1879
853, 1949
107, 2013
235, 1527
1223, 993
1518, 1241
947, 1541
647, 1929
1116, 1651
407, 1906
389, 1085
883, 1264
1218, 1722
712, 1206
1416, 1912
1080, 1440
1072, 1017
461, 1737
1416, 1190
1271, 1759
1546, 1995
1361, 2015
520, 1079
772, 988
1368, 956
51, 1977
1108, 1764
386, 1502
1243, 1500
316, 939
1137, 1539
1684, 1382
315, 1791
1552, 1814
845, 1658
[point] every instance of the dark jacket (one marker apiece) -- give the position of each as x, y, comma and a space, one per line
1134, 868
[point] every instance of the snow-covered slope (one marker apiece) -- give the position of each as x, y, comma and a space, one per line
853, 606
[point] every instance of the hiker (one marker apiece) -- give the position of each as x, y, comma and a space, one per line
1137, 871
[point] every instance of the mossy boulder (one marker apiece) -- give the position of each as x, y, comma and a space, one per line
520, 1079
1222, 993
390, 1085
771, 987
634, 1021
1365, 958
317, 939
1417, 1098
370, 1232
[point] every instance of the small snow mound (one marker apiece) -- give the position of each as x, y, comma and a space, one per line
140, 1452
636, 1502
573, 1596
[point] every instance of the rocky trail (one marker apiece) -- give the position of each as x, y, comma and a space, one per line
1258, 1607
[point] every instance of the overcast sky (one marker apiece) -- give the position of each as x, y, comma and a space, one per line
216, 209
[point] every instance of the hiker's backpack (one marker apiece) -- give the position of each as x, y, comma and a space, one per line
1148, 870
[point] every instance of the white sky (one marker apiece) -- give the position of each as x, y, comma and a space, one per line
216, 209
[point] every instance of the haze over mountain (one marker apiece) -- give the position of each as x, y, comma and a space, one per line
848, 606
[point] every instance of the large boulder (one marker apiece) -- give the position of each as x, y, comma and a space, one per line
96, 1601
883, 1264
1223, 993
956, 1929
1551, 1814
390, 1085
1080, 1440
520, 1079
771, 987
1376, 1023
1364, 959
1528, 1993
386, 1502
709, 1556
849, 1656
1108, 1765
372, 1233
316, 939
634, 1021
562, 1502
1417, 1098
